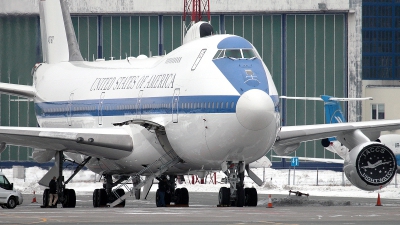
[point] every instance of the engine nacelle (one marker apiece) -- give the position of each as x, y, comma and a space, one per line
370, 166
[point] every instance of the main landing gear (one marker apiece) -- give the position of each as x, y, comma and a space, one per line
66, 197
179, 196
105, 195
236, 195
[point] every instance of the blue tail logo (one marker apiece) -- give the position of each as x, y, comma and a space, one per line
333, 110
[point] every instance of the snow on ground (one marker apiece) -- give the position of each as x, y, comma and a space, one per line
330, 183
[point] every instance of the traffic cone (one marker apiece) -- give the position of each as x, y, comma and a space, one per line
378, 202
34, 198
269, 202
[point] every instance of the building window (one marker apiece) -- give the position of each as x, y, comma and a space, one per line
378, 111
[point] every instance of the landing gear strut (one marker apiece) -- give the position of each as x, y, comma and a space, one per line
236, 194
66, 197
105, 195
180, 196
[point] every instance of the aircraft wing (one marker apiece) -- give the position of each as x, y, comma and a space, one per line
110, 143
290, 137
341, 161
18, 90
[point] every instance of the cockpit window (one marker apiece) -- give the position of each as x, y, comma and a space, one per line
248, 53
216, 56
235, 54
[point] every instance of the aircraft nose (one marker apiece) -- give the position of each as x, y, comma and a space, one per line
255, 110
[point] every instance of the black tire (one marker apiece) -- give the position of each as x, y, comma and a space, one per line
4, 206
72, 198
11, 203
184, 196
46, 197
120, 193
95, 198
69, 198
246, 198
178, 196
103, 199
224, 196
158, 198
167, 198
251, 197
239, 197
66, 199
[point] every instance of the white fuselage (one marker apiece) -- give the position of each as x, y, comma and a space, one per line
213, 109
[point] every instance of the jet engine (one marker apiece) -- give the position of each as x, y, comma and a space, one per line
370, 166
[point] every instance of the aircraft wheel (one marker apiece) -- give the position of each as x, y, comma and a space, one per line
120, 193
103, 199
184, 196
239, 197
95, 198
158, 198
224, 196
69, 198
11, 203
46, 197
251, 198
178, 196
167, 198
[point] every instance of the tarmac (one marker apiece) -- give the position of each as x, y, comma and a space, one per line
287, 210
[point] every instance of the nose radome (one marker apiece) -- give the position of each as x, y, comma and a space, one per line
255, 110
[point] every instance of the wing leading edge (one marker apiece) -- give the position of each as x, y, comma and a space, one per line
290, 137
110, 143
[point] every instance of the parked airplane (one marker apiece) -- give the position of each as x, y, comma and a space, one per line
334, 114
210, 104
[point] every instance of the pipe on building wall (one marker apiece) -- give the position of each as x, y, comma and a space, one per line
354, 59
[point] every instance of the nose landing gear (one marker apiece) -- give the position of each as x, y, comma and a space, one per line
236, 195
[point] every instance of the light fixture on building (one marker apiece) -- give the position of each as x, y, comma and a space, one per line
322, 6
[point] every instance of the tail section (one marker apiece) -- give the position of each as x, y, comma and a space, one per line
59, 42
333, 110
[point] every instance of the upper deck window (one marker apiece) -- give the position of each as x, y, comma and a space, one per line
235, 54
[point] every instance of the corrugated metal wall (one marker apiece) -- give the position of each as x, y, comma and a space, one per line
18, 54
305, 54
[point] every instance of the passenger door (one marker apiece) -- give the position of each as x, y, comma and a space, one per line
175, 105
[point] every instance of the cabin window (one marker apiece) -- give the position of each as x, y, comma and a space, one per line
378, 111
